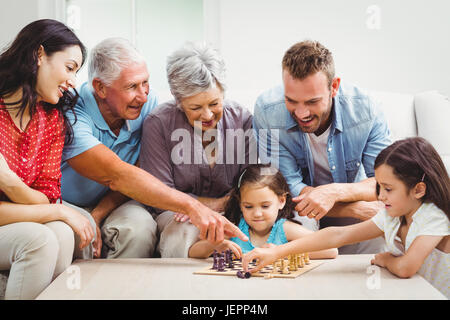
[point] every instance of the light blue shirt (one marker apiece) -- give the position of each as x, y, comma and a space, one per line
277, 235
358, 133
90, 130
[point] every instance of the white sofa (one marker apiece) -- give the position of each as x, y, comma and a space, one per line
424, 114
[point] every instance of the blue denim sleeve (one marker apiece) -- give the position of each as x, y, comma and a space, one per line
379, 139
270, 149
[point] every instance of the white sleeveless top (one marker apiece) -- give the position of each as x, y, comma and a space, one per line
428, 220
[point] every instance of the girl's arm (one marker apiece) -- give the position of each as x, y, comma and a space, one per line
331, 237
202, 249
407, 265
295, 231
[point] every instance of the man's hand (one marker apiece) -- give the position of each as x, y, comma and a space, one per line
97, 244
365, 210
316, 202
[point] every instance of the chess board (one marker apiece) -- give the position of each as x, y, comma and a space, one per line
261, 273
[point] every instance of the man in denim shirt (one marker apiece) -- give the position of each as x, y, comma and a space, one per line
324, 136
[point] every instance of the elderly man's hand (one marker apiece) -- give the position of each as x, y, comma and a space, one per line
316, 202
213, 226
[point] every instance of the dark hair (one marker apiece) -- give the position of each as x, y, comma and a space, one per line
19, 66
261, 175
306, 58
414, 160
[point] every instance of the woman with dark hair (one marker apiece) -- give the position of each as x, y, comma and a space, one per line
36, 234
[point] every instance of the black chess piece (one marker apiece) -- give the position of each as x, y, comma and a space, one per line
230, 263
221, 263
215, 260
227, 256
243, 275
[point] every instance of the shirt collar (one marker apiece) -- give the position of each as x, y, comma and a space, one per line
337, 115
91, 107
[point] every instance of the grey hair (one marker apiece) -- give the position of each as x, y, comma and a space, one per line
108, 58
194, 68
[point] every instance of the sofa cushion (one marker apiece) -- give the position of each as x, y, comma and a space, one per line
398, 110
432, 113
3, 281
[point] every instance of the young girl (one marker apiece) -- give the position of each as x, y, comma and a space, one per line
414, 185
261, 205
36, 238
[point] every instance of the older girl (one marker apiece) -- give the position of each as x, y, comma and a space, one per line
414, 185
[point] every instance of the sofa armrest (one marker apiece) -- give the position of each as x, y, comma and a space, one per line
433, 114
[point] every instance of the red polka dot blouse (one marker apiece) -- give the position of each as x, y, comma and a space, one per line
35, 154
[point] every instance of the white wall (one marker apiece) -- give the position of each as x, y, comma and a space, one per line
162, 27
14, 15
408, 54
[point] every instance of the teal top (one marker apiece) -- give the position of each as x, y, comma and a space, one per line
277, 235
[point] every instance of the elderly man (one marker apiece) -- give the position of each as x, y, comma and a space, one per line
327, 137
99, 174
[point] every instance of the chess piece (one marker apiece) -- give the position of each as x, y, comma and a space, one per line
285, 267
274, 267
227, 256
280, 264
221, 263
292, 263
307, 258
215, 260
230, 262
243, 275
301, 261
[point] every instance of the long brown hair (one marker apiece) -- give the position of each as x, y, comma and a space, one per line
19, 67
415, 160
260, 175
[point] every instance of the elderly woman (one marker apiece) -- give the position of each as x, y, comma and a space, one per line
197, 143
